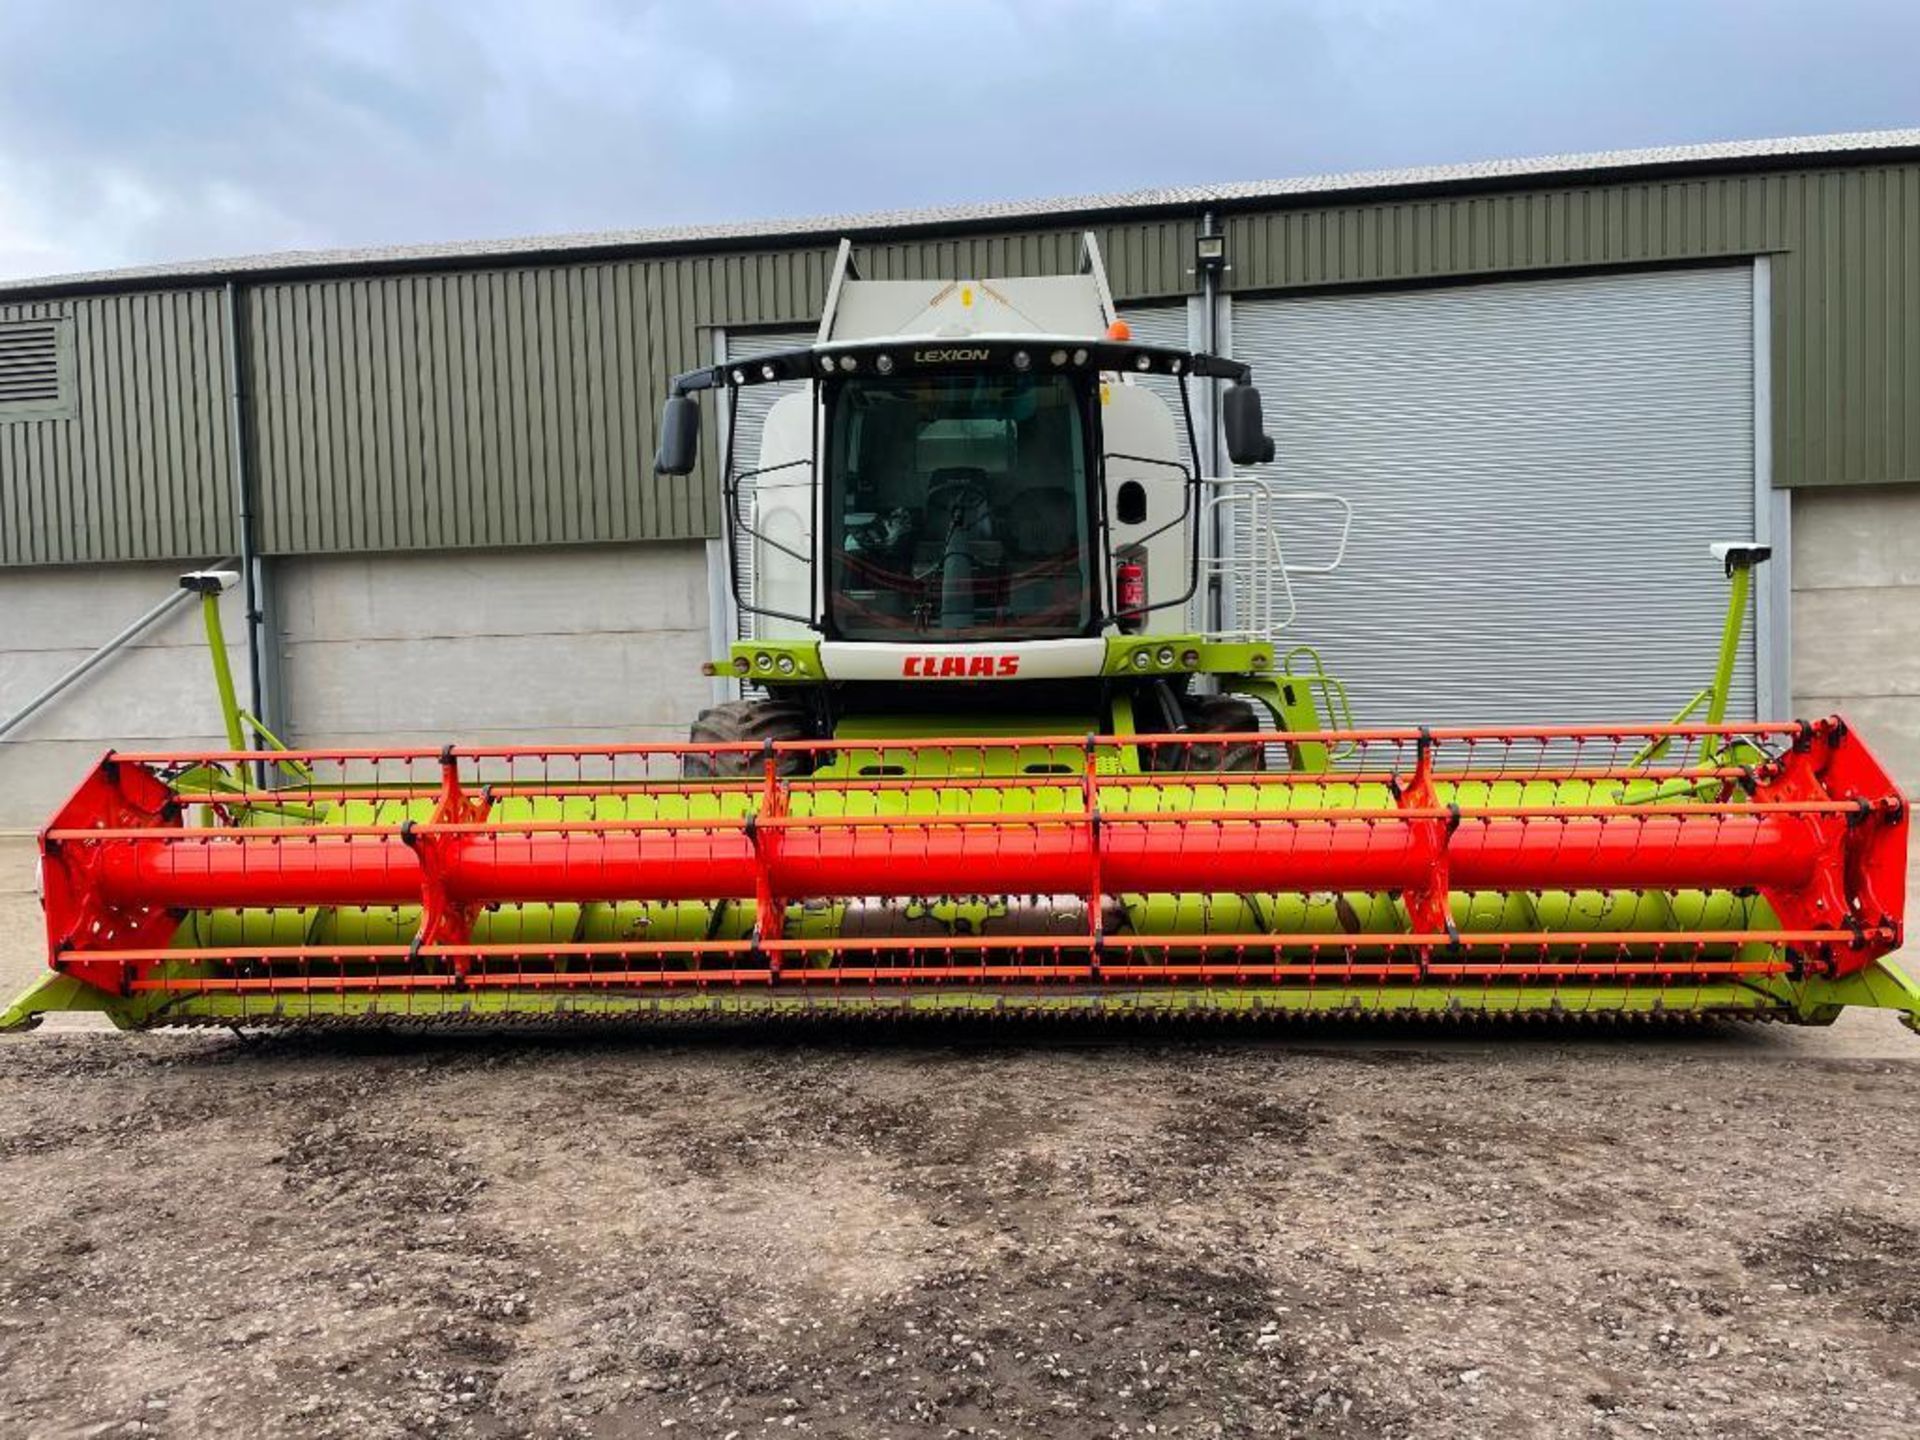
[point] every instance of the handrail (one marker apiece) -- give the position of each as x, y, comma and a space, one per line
1265, 563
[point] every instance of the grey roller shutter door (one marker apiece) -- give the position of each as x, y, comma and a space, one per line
1537, 469
753, 402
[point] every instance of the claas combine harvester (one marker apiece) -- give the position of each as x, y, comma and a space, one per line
997, 751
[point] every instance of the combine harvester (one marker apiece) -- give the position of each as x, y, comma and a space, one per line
994, 765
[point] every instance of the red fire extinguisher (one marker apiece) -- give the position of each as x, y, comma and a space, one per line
1130, 590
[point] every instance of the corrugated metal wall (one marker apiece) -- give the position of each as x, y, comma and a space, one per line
140, 471
499, 407
1846, 337
515, 406
1846, 277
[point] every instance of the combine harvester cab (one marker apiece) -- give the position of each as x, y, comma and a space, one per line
991, 758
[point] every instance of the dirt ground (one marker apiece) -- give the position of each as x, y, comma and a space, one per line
934, 1233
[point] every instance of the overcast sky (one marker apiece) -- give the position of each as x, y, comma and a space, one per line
143, 130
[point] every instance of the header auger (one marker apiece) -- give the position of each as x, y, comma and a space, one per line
1014, 737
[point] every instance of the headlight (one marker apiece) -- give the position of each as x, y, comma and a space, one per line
1141, 659
1190, 659
1165, 657
787, 666
763, 661
741, 665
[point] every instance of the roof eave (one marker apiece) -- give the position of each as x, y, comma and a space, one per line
1319, 193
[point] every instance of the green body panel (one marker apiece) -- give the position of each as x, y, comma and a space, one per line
1292, 708
798, 662
1722, 687
1814, 1002
773, 662
933, 763
1885, 985
55, 993
1163, 655
223, 673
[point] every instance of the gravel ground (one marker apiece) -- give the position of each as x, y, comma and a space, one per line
931, 1233
1036, 1237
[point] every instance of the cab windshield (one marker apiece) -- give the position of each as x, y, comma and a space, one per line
957, 507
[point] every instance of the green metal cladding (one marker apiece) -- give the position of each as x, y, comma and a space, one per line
142, 469
515, 405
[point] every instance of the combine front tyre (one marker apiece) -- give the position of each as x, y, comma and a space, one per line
1213, 715
746, 722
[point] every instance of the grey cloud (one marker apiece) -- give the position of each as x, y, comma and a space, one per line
133, 132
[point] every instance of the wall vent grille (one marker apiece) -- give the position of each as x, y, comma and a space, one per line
33, 377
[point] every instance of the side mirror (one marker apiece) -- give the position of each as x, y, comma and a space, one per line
1247, 442
679, 437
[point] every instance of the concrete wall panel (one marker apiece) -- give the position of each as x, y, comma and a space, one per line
156, 695
1863, 641
601, 643
1856, 616
528, 592
1857, 537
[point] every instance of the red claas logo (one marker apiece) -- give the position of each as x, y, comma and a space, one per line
959, 667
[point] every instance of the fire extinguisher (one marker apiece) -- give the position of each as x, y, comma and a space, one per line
1130, 588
